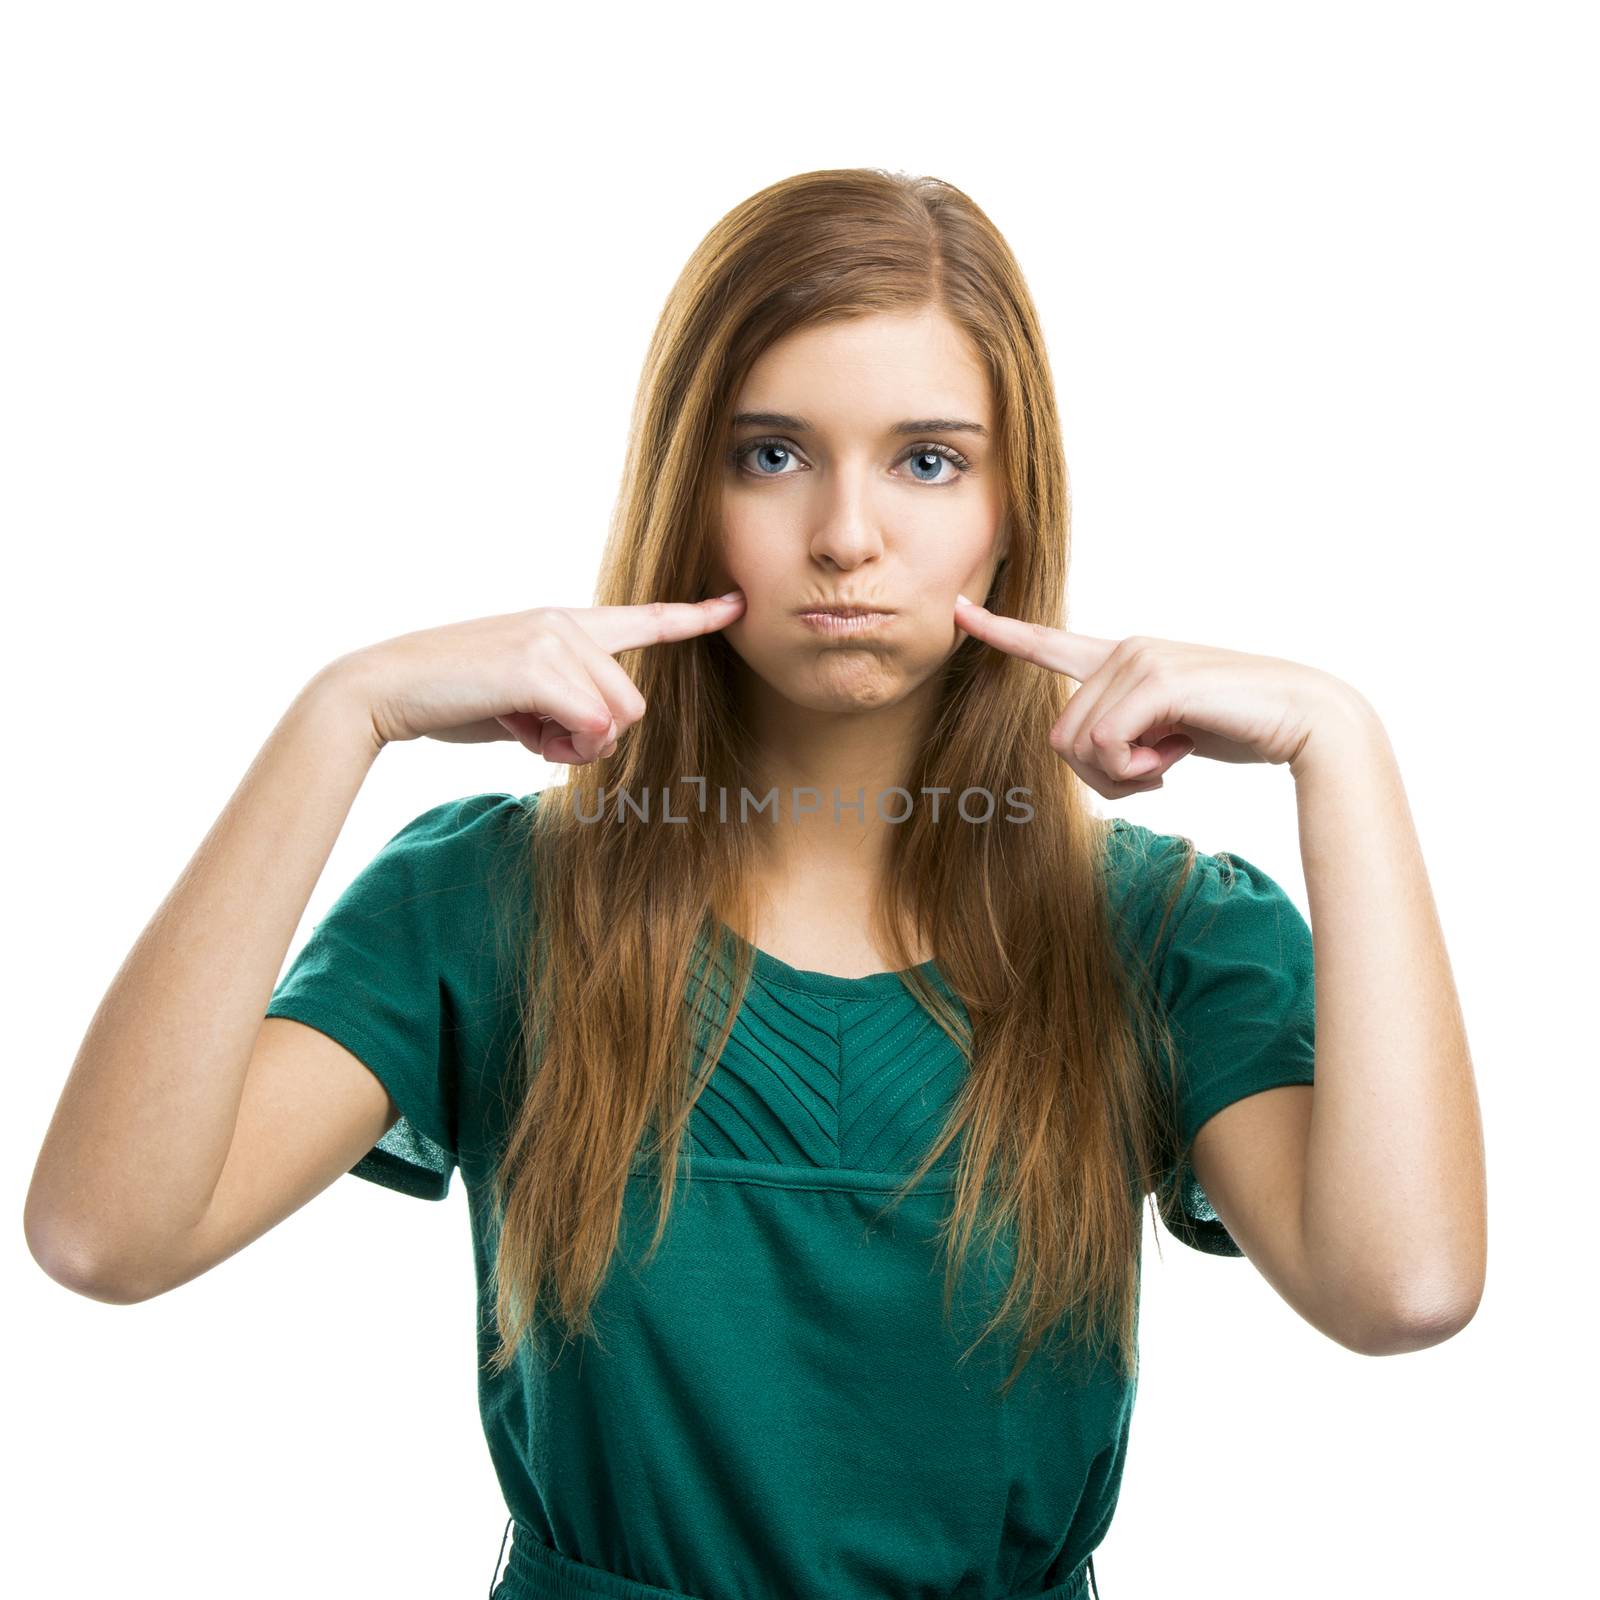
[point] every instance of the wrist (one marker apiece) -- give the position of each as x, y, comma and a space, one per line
1345, 726
338, 695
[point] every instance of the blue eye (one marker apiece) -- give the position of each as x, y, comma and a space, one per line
919, 453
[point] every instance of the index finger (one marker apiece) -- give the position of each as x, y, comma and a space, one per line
616, 628
1078, 655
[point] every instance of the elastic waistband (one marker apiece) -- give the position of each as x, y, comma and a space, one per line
536, 1572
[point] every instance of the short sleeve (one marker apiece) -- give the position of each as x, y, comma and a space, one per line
388, 974
1237, 982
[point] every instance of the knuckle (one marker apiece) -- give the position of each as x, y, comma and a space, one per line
546, 647
1147, 653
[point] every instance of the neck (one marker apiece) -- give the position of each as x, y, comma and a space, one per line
860, 754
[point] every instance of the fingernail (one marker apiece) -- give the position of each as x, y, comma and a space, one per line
963, 599
732, 594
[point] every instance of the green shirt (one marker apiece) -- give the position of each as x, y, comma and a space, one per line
778, 1410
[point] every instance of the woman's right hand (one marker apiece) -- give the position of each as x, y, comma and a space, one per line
545, 677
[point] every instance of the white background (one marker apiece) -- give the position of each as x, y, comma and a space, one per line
322, 323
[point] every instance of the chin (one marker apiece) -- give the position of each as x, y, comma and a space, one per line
854, 682
838, 678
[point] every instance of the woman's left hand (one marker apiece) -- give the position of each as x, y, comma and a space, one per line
1143, 704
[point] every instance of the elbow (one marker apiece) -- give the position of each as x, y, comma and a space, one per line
1427, 1320
64, 1261
93, 1284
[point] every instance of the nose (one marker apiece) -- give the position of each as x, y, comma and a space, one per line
848, 532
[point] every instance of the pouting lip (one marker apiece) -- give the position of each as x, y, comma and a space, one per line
842, 611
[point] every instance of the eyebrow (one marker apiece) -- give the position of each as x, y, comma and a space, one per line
781, 419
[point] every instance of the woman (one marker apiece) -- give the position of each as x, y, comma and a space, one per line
819, 965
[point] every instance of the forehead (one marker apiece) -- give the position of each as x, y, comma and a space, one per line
870, 372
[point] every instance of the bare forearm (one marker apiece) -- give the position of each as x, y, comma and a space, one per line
1395, 1203
143, 1126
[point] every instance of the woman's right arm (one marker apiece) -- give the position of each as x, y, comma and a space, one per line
140, 1138
191, 1121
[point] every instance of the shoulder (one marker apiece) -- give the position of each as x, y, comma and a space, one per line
478, 818
469, 832
1167, 891
1151, 877
454, 852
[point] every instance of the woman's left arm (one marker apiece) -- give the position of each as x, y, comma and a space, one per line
1384, 1238
1395, 1194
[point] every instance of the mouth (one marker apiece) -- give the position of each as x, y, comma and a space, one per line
844, 619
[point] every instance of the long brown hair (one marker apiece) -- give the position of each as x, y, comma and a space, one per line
1065, 1124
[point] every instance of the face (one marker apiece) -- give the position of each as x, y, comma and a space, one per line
842, 503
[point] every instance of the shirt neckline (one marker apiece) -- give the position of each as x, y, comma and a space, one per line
768, 968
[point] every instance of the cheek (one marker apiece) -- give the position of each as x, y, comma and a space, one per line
745, 556
947, 562
965, 570
769, 588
